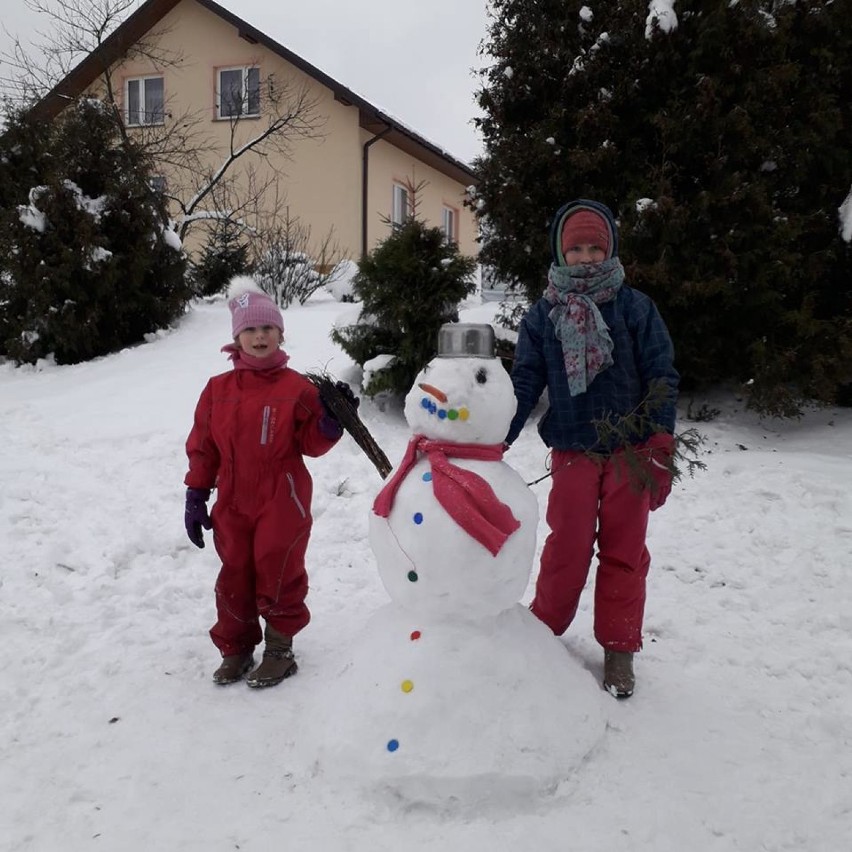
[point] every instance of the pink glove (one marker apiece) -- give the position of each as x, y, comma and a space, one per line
660, 448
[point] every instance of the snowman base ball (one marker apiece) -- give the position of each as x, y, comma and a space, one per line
456, 714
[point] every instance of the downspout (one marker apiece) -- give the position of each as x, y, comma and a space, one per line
365, 182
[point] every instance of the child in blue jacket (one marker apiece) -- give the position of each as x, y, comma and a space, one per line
603, 352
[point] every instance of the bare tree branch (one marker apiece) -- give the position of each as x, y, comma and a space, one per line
181, 147
292, 115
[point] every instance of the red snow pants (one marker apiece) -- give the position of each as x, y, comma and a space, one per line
262, 576
593, 500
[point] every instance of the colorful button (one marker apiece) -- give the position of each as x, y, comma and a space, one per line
393, 745
452, 414
415, 635
418, 518
406, 686
412, 575
427, 477
463, 414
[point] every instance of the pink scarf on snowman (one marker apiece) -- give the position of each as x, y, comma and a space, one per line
468, 499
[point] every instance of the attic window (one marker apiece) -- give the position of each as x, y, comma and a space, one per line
239, 92
144, 101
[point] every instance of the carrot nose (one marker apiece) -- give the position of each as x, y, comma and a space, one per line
433, 391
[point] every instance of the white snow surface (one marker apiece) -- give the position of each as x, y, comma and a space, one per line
739, 735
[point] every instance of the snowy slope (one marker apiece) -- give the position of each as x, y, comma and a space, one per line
739, 736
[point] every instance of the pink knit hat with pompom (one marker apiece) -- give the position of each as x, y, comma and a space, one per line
250, 306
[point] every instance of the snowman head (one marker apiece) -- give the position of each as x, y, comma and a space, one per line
461, 400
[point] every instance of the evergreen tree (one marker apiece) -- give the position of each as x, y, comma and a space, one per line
409, 286
224, 256
721, 144
88, 265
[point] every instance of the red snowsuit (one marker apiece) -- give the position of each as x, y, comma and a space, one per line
251, 431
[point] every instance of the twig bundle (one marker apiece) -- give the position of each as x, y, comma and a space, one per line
347, 416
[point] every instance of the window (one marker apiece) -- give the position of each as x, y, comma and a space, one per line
239, 92
449, 224
401, 209
144, 103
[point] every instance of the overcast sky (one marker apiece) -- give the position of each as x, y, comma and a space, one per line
411, 58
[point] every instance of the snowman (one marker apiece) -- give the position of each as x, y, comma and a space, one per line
455, 694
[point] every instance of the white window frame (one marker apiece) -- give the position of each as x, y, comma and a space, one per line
245, 105
143, 118
400, 205
450, 223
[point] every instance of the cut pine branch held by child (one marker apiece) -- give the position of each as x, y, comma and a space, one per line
619, 432
347, 416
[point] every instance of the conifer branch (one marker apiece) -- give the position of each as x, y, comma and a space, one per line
620, 432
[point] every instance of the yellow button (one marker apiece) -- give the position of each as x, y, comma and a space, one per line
407, 686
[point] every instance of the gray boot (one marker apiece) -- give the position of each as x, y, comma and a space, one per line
233, 667
618, 673
277, 662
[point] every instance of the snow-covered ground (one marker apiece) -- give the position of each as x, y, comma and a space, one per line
739, 736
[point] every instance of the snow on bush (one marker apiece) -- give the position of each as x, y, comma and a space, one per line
339, 283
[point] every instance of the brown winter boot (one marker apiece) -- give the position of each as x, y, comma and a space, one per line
277, 662
618, 673
233, 667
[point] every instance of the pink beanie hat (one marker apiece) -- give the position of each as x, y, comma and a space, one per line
250, 306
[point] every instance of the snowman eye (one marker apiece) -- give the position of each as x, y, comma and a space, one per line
481, 376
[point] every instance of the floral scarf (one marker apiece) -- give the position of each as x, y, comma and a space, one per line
575, 293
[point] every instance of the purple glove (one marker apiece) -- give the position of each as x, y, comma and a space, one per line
195, 514
329, 425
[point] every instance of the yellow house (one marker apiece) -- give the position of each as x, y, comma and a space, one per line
199, 82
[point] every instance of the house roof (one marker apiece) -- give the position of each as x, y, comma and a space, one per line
372, 119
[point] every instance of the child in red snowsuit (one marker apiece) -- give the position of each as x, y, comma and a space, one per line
252, 427
602, 350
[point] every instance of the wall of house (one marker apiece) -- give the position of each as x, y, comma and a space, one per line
321, 179
388, 166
